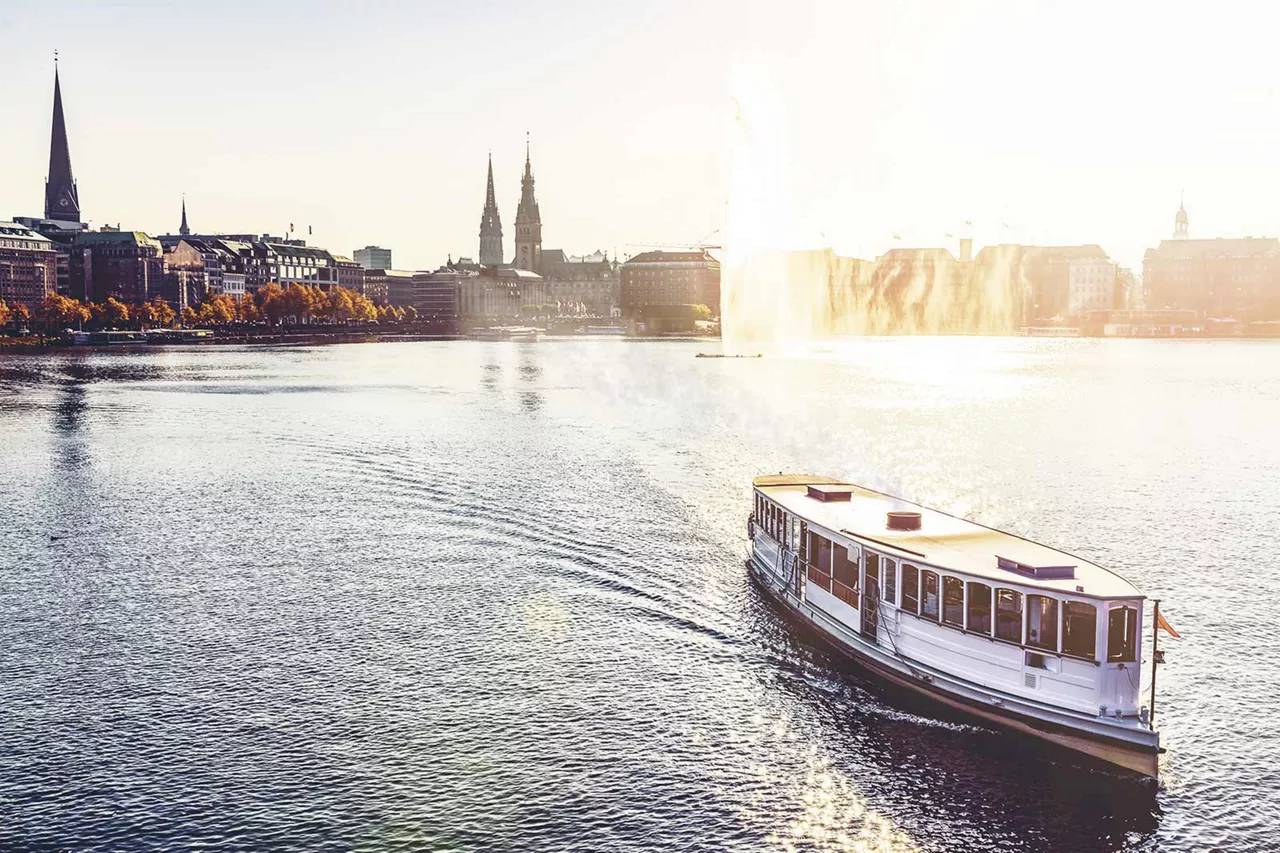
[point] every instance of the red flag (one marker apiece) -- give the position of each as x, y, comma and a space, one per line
1162, 624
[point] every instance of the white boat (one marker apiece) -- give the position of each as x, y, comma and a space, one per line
1016, 634
505, 333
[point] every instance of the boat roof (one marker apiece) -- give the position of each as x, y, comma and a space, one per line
943, 540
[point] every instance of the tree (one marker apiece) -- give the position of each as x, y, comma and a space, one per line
6, 313
246, 310
339, 305
21, 314
189, 316
411, 313
362, 308
163, 311
270, 301
296, 302
701, 312
117, 312
63, 311
144, 314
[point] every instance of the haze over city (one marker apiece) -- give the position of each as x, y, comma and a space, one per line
1044, 123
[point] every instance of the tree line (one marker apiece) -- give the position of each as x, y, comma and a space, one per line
272, 304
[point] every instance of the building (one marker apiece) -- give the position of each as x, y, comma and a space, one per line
1091, 286
669, 278
490, 226
586, 284
193, 270
287, 262
528, 223
61, 199
62, 219
496, 294
350, 273
124, 265
1236, 278
435, 296
373, 258
28, 266
393, 287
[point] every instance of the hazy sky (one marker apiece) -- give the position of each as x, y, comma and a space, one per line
370, 122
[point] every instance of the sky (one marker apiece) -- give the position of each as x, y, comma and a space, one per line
370, 123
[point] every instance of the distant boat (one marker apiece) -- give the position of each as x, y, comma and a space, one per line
505, 333
606, 330
993, 626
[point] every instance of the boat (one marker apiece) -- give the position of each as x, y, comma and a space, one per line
994, 627
505, 333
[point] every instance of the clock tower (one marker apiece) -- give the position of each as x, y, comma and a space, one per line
528, 222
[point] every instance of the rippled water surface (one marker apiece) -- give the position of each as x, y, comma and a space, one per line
475, 596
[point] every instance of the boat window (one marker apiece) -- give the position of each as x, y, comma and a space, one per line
1122, 634
979, 617
929, 595
1079, 629
889, 577
820, 567
1009, 615
910, 588
811, 549
1042, 622
844, 571
953, 601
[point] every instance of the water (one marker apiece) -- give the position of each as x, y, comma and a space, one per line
468, 596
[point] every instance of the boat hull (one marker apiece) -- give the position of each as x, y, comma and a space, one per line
1129, 750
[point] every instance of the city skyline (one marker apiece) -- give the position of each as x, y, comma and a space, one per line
913, 127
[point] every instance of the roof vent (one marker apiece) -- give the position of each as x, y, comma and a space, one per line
904, 521
830, 492
1037, 572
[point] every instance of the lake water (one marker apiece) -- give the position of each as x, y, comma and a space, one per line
491, 596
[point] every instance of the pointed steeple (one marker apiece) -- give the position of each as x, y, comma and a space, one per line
183, 229
1180, 221
490, 225
528, 220
60, 198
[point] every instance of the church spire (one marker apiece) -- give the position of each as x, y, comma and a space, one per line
60, 199
528, 220
183, 229
1180, 221
490, 226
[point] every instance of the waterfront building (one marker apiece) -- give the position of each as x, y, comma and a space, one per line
1237, 278
496, 294
663, 278
289, 262
1092, 286
373, 258
193, 269
490, 226
28, 266
528, 223
124, 265
62, 218
435, 295
350, 273
390, 287
586, 284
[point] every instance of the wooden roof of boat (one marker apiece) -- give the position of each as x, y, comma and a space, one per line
942, 540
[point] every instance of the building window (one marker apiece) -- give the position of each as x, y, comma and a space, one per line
929, 595
1122, 635
1009, 615
1079, 629
953, 602
1042, 622
910, 588
979, 616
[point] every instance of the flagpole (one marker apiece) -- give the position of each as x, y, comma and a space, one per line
1155, 657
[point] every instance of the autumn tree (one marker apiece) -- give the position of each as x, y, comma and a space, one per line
340, 307
117, 312
163, 311
6, 313
21, 314
270, 301
189, 316
144, 314
63, 311
246, 310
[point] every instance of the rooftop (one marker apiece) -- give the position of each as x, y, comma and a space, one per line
13, 229
942, 540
